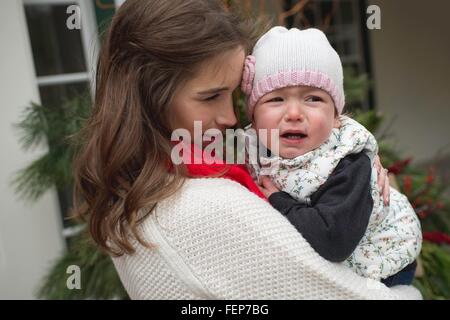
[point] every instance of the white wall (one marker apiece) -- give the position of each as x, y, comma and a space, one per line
411, 64
30, 234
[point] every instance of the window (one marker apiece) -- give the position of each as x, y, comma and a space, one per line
64, 59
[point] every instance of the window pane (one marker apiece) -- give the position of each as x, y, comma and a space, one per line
309, 16
347, 12
55, 95
349, 47
65, 204
56, 49
326, 10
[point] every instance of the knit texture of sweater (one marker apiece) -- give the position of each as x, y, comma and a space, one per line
214, 239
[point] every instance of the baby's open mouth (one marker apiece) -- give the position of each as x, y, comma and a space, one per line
294, 135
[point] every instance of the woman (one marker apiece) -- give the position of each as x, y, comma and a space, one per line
163, 65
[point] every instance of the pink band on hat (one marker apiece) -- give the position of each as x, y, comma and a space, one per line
249, 75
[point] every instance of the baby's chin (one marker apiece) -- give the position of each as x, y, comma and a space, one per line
294, 151
292, 154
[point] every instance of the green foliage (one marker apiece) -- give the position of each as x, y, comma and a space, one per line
56, 126
53, 125
355, 87
99, 279
435, 284
369, 119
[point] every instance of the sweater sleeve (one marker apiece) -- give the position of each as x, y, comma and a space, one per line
224, 242
339, 213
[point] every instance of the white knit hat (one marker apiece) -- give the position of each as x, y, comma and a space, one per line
283, 58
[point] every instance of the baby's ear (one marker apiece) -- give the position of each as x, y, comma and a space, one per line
337, 122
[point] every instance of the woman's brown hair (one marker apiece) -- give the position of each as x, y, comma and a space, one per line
152, 47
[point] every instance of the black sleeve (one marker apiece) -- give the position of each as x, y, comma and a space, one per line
339, 212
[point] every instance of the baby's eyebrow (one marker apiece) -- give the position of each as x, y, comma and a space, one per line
312, 89
213, 90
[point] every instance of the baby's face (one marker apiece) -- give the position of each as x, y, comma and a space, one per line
305, 117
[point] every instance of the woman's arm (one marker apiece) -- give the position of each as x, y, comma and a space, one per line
337, 217
226, 243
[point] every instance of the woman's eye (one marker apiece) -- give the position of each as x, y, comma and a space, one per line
276, 99
314, 99
212, 97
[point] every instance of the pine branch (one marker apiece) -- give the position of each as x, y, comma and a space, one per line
55, 126
33, 127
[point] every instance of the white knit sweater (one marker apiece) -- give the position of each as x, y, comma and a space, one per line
216, 240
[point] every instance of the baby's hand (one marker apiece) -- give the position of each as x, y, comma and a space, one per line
267, 187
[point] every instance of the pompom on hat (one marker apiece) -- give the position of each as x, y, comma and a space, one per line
283, 58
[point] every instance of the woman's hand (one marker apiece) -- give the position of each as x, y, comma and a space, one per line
267, 187
383, 180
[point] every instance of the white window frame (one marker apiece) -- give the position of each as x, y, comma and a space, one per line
89, 39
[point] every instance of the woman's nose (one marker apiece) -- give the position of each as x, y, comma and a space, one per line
227, 117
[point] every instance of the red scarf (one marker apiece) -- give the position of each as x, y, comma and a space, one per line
235, 172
